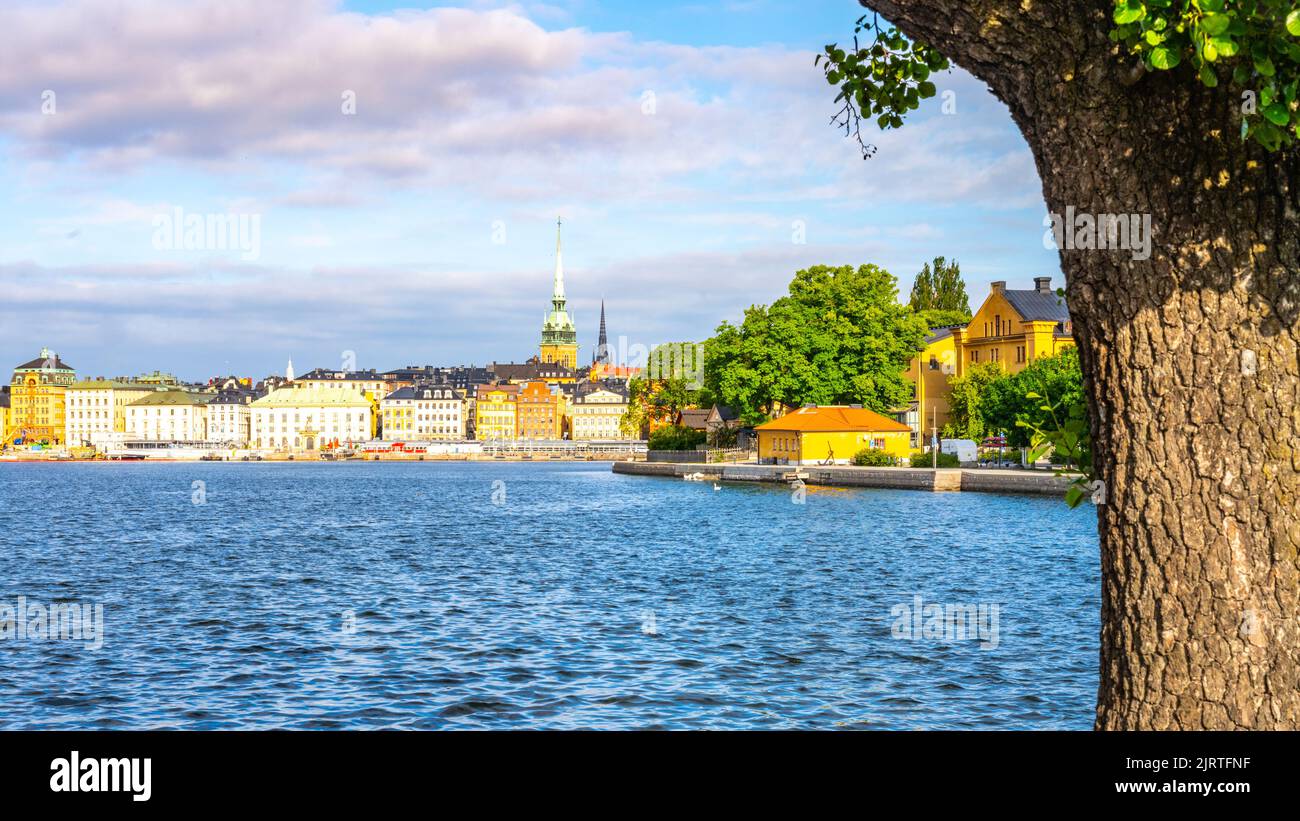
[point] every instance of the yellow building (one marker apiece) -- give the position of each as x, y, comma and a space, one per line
559, 335
38, 396
1012, 328
829, 435
495, 412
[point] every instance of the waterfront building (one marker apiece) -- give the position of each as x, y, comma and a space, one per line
597, 414
230, 415
1012, 328
424, 413
495, 411
539, 412
559, 336
370, 384
96, 410
167, 415
829, 435
298, 418
38, 397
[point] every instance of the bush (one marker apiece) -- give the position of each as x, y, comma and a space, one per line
872, 458
921, 459
676, 438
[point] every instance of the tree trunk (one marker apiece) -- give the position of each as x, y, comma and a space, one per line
1189, 356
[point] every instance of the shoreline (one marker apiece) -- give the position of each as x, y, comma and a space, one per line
943, 480
308, 459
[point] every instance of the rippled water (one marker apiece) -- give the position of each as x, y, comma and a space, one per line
367, 595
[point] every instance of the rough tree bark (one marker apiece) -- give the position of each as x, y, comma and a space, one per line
1190, 357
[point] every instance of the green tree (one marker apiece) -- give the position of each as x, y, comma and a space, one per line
840, 336
940, 292
1016, 403
650, 400
970, 410
1179, 119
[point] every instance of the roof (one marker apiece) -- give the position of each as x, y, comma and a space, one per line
419, 391
600, 396
45, 363
323, 375
484, 389
239, 397
695, 418
531, 370
110, 384
172, 398
833, 418
312, 398
725, 413
1037, 305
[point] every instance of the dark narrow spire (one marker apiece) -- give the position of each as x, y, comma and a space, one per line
602, 343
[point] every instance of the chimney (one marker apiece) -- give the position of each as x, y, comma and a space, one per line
1043, 285
997, 287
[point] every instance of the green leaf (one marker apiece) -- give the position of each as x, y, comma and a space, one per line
1208, 77
1215, 24
1225, 46
1277, 114
1074, 496
1166, 58
1265, 66
1293, 22
1130, 12
926, 89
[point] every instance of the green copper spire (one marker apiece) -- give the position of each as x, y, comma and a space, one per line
558, 328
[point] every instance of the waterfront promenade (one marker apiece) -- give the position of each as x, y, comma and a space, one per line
989, 480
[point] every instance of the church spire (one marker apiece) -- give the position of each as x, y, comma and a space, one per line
559, 337
602, 342
557, 295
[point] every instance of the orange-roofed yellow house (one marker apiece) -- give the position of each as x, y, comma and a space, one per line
829, 435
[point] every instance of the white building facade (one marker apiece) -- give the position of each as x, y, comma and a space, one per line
167, 416
230, 418
597, 415
304, 419
95, 413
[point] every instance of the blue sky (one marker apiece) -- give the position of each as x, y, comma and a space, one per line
687, 146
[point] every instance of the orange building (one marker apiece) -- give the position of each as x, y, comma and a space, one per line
539, 412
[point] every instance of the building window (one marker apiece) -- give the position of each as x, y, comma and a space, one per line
1020, 353
934, 362
974, 356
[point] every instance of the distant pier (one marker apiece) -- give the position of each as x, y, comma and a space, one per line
986, 480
